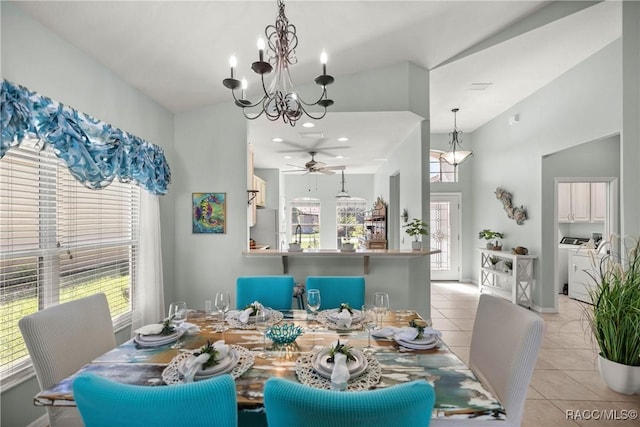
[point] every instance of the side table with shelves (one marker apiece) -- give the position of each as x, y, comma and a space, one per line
514, 284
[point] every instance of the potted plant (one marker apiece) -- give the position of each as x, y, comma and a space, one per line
489, 235
614, 320
416, 228
493, 260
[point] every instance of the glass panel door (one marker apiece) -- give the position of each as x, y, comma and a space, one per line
445, 236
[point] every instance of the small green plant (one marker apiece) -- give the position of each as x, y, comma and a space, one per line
490, 235
345, 306
340, 348
494, 260
417, 228
614, 317
211, 351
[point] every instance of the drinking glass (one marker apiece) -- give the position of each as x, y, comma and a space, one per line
222, 304
262, 324
178, 315
313, 302
382, 305
208, 309
369, 322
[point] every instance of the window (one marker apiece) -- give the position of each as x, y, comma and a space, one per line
305, 220
59, 241
439, 170
350, 221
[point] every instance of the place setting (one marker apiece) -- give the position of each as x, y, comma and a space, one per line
246, 318
344, 317
416, 336
210, 360
169, 331
338, 367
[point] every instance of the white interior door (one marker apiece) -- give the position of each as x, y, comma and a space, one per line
444, 231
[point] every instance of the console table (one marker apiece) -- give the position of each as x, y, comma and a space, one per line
515, 283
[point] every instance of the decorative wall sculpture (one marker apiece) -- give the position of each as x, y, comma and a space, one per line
518, 214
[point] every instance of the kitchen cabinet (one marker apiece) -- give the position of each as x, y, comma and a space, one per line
582, 202
261, 186
598, 201
515, 283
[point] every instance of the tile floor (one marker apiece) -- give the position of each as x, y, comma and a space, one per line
566, 377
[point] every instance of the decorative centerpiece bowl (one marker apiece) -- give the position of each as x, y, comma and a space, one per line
284, 334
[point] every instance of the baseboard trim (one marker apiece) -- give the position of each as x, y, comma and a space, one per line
544, 309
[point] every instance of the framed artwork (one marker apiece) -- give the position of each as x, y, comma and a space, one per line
209, 213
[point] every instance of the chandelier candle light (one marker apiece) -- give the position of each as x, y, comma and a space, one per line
280, 99
456, 155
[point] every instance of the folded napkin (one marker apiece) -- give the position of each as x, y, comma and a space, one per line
194, 365
222, 349
152, 329
340, 374
188, 328
343, 319
244, 316
406, 334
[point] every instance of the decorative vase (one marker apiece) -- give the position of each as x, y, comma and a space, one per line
416, 246
348, 247
621, 378
489, 245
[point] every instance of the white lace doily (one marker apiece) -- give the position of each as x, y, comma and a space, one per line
172, 375
276, 317
323, 317
307, 375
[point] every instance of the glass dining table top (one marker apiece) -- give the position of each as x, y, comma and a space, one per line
459, 394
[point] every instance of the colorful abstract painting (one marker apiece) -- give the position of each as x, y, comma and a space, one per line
209, 213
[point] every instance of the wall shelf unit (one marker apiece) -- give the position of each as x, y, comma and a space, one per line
375, 225
514, 284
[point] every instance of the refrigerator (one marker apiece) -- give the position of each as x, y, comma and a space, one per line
265, 231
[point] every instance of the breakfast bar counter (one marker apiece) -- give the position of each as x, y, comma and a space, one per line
365, 254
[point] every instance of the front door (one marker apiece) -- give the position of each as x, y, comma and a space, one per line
444, 231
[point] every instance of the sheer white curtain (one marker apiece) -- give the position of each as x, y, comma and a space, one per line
148, 304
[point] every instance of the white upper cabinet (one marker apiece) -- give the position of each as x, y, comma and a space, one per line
581, 202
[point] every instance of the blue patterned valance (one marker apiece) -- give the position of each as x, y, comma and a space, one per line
94, 151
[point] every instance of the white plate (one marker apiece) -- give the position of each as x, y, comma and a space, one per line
223, 366
156, 340
235, 314
332, 315
424, 343
324, 368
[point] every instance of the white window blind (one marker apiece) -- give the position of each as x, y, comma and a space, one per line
59, 241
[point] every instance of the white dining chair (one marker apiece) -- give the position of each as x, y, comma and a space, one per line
505, 342
63, 338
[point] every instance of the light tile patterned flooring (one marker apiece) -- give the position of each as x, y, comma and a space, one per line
566, 377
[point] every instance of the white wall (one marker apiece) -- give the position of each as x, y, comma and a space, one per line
582, 105
41, 61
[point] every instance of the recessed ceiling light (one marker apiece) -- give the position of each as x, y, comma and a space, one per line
308, 125
380, 160
277, 139
339, 157
343, 139
287, 157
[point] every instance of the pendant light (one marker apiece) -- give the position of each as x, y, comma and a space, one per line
343, 194
456, 155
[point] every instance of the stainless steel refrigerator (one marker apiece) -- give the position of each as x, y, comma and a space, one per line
266, 232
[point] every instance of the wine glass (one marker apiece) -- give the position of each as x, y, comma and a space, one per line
381, 304
313, 302
369, 322
178, 315
262, 324
208, 309
222, 304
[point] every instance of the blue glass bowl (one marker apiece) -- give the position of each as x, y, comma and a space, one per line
284, 334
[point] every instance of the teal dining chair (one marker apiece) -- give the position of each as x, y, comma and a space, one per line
271, 291
288, 403
106, 403
335, 290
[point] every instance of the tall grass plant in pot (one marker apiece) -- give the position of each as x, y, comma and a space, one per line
614, 319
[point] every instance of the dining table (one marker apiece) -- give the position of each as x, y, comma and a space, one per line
461, 399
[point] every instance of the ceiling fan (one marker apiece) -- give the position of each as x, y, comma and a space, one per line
314, 166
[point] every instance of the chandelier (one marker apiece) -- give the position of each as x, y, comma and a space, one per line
280, 99
456, 155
